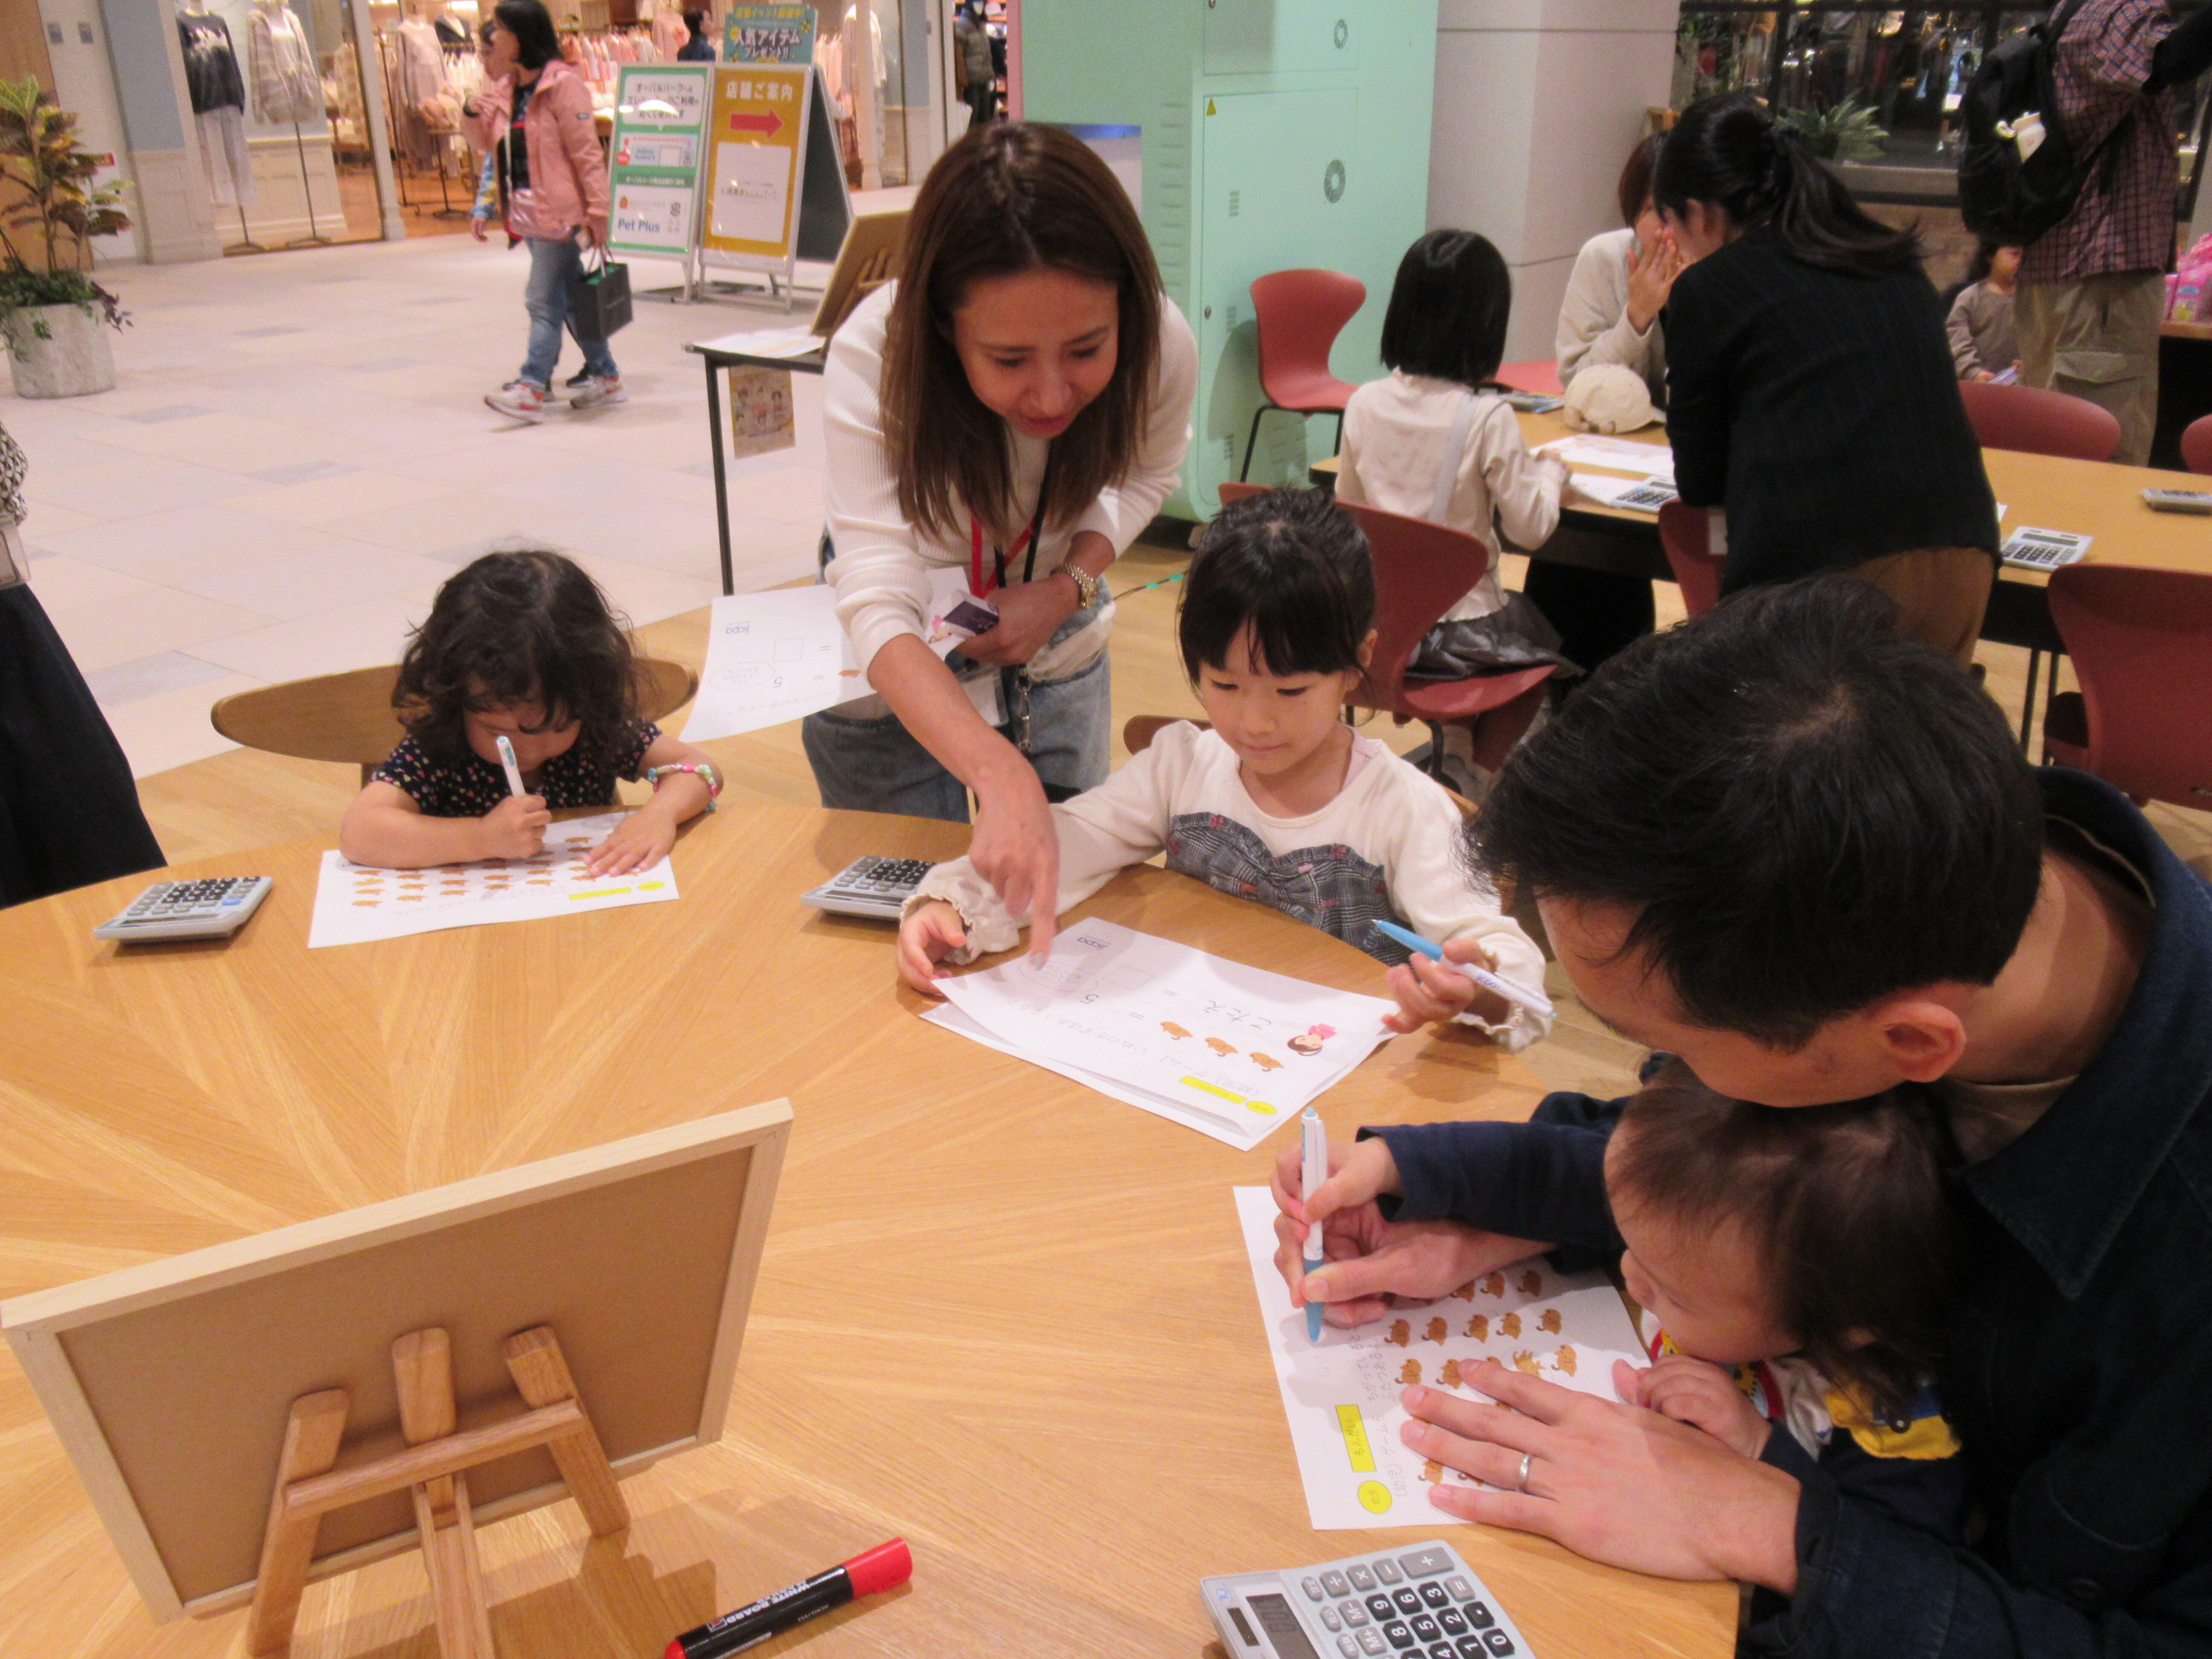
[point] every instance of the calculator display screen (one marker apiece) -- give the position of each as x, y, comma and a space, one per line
1284, 1632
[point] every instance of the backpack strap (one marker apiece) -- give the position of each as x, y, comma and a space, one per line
1448, 468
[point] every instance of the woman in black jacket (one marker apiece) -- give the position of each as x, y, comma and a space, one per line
1810, 387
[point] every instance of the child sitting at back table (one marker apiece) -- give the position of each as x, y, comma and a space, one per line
1281, 801
1425, 441
1793, 1263
520, 646
1984, 344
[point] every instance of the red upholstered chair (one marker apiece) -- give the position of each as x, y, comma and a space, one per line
1299, 315
2196, 445
1422, 570
1541, 377
2142, 645
1686, 535
2039, 421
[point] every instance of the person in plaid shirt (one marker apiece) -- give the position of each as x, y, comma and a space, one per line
2091, 288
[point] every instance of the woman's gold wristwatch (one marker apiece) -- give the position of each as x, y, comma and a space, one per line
1087, 585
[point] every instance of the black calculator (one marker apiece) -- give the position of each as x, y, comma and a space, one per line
213, 908
874, 887
1416, 1602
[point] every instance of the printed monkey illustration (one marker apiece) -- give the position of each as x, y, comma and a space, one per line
1433, 1472
1219, 1046
1437, 1330
1479, 1327
1402, 1333
1510, 1326
1465, 1292
1411, 1372
1449, 1376
1564, 1359
1265, 1062
1525, 1361
1173, 1029
1548, 1320
1532, 1283
1494, 1286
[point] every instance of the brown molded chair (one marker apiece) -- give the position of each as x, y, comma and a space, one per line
1297, 316
2196, 445
2039, 421
350, 718
2142, 644
1686, 535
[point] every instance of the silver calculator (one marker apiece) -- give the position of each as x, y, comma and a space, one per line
213, 908
1416, 1602
876, 887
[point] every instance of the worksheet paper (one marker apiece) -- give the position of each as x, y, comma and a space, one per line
357, 902
1232, 1051
778, 655
796, 341
1340, 1394
1624, 454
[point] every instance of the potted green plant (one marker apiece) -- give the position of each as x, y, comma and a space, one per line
55, 317
1839, 132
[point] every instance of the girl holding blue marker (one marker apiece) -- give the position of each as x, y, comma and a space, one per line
1279, 801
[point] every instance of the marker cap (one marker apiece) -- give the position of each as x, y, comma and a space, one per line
884, 1567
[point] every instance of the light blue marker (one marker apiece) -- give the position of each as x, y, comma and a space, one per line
1536, 1001
1314, 1140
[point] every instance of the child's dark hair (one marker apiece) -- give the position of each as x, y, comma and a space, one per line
1634, 191
536, 42
1449, 308
509, 628
1729, 152
1293, 566
1843, 1206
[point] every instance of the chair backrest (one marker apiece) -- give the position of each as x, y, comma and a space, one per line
2196, 445
2039, 421
348, 717
1299, 315
2141, 645
1686, 535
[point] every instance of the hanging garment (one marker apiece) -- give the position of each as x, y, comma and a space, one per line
222, 151
668, 33
450, 33
210, 64
286, 86
419, 76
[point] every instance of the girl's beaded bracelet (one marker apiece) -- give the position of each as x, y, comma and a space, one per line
703, 770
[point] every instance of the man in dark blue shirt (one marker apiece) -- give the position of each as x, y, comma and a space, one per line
1804, 854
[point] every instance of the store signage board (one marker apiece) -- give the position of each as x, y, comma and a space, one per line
776, 34
657, 156
756, 138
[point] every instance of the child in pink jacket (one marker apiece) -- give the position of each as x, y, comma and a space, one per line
534, 118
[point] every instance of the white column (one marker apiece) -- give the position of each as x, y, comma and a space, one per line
1537, 105
389, 224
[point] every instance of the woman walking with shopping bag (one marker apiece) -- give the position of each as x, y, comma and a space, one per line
536, 120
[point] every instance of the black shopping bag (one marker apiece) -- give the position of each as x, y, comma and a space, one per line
599, 298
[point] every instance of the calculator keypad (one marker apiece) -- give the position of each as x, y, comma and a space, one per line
1416, 1604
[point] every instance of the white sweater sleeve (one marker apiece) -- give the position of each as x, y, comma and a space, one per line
1433, 890
1594, 326
1123, 509
1124, 821
1349, 485
1524, 487
880, 572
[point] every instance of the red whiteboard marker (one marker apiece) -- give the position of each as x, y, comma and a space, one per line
884, 1567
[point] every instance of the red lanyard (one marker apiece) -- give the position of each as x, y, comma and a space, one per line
1027, 538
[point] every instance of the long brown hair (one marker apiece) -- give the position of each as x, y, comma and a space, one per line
1007, 198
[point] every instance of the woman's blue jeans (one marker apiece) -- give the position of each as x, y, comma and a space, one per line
553, 263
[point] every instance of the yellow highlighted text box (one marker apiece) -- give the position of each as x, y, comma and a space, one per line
1355, 1439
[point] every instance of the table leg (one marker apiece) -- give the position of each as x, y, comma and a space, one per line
2027, 703
721, 478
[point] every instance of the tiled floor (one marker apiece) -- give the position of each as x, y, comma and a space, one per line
297, 454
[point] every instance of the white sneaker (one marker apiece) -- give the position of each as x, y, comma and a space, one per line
520, 400
600, 391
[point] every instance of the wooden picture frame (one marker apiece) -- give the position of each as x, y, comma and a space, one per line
867, 259
169, 1384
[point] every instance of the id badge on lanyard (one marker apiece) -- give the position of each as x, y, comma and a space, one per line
1010, 684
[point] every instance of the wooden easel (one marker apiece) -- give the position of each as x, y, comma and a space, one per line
309, 1485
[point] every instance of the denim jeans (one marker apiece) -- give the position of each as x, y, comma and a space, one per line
876, 766
545, 297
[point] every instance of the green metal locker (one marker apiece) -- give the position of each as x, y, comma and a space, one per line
1276, 134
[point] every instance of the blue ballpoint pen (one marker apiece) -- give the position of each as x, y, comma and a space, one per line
1534, 1000
1314, 1140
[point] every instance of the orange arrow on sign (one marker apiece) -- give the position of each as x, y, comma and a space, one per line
766, 125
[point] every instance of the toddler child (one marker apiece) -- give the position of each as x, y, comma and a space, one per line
1280, 801
1793, 1264
520, 646
1984, 345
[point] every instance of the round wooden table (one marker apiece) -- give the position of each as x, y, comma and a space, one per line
1003, 1316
